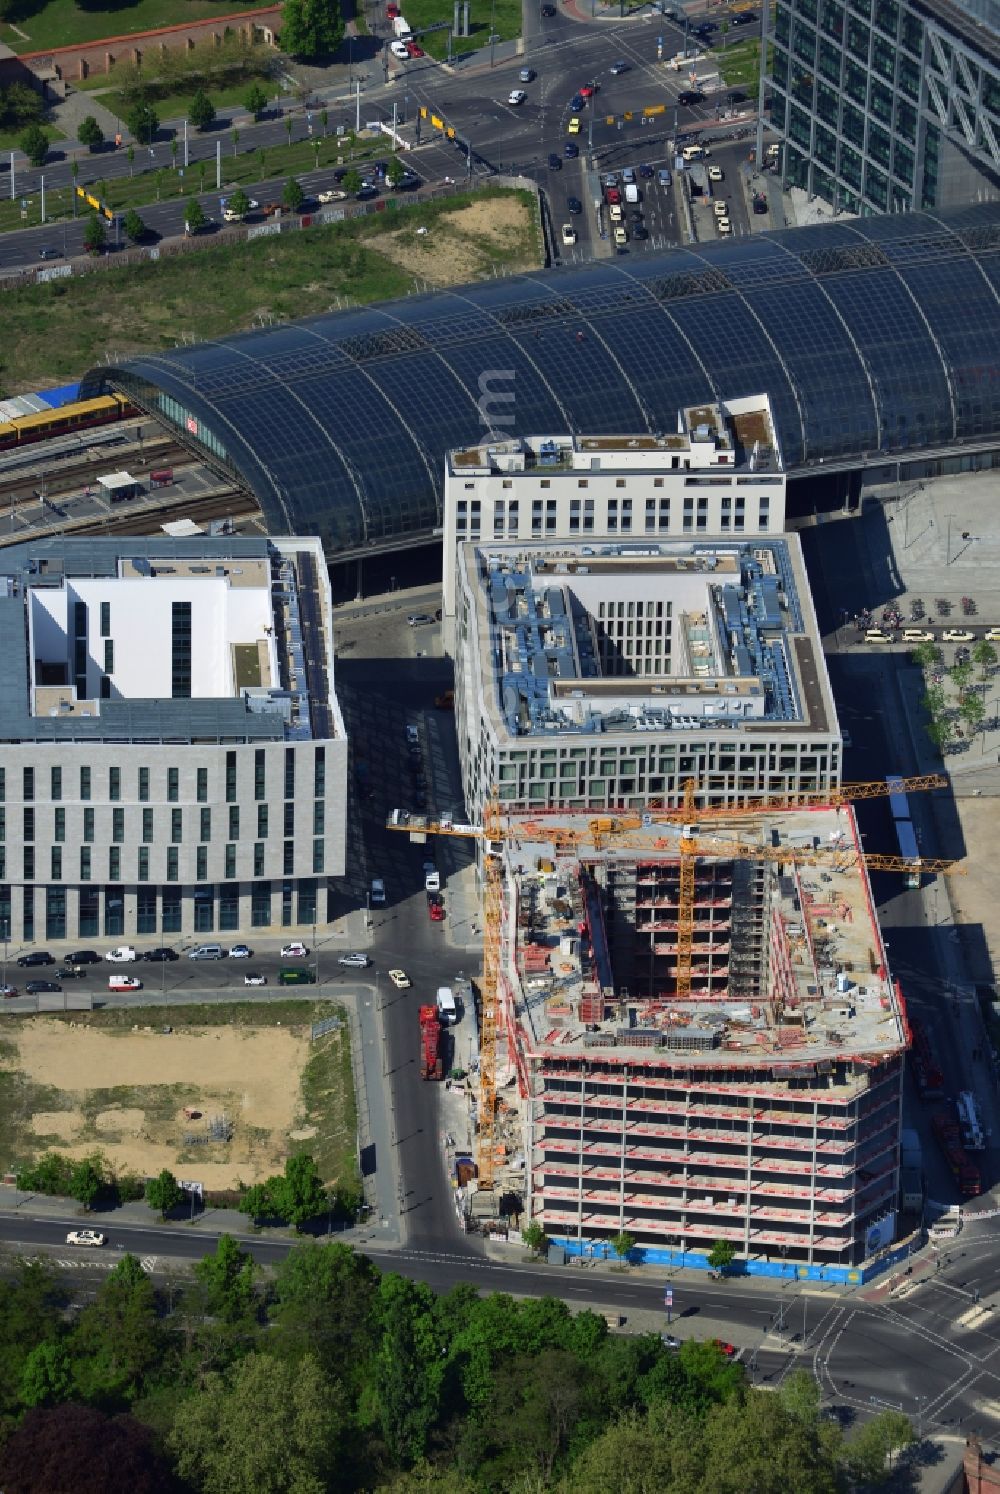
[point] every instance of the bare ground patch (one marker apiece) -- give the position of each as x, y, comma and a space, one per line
463, 245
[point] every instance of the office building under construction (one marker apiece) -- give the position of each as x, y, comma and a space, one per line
733, 1073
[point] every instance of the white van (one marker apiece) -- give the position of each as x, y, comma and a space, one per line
875, 635
631, 193
446, 1009
692, 152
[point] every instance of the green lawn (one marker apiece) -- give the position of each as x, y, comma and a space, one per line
176, 105
62, 23
54, 331
739, 65
506, 18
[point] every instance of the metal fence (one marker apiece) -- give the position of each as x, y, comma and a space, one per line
328, 1024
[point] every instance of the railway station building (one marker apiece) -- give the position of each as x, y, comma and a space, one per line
173, 759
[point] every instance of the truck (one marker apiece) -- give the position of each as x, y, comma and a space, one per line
911, 1172
926, 1070
431, 1066
446, 1009
400, 27
948, 1135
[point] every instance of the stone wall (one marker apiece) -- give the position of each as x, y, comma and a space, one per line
74, 63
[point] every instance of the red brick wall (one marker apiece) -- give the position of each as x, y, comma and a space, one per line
72, 63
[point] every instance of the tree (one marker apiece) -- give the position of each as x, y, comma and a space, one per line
292, 195
534, 1236
87, 1178
407, 1369
20, 105
972, 711
939, 733
268, 1426
228, 1277
623, 1245
871, 1447
117, 1342
926, 655
324, 1300
933, 700
721, 1255
311, 28
352, 181
162, 1192
985, 655
194, 216
135, 229
255, 100
76, 1447
961, 676
143, 122
757, 1443
90, 133
34, 143
201, 111
800, 1395
395, 172
240, 202
299, 1194
47, 1378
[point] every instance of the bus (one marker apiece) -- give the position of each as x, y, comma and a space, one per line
899, 807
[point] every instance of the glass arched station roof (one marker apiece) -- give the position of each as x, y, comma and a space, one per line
874, 335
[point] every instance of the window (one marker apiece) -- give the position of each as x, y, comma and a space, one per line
3, 824
29, 785
202, 789
171, 901
105, 687
259, 773
145, 911
260, 905
105, 619
3, 783
205, 827
201, 864
142, 873
55, 913
84, 783
318, 817
180, 669
230, 871
114, 784
262, 821
288, 860
289, 772
173, 785
147, 826
176, 826
173, 857
234, 822
317, 856
230, 777
55, 785
319, 783
114, 863
289, 819
28, 824
88, 825
29, 865
59, 827
118, 825
143, 785
258, 858
109, 656
85, 863
56, 863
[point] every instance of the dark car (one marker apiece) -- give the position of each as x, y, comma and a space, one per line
554, 162
341, 172
737, 96
705, 28
574, 205
572, 150
640, 231
548, 11
70, 972
85, 957
49, 254
745, 18
617, 68
645, 170
577, 102
36, 957
158, 956
37, 987
690, 96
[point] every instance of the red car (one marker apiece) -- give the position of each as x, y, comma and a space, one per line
436, 912
613, 195
728, 1349
392, 11
414, 50
587, 91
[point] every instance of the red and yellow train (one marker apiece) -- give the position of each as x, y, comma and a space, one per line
76, 416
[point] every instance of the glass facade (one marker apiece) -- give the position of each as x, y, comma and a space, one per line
864, 93
619, 349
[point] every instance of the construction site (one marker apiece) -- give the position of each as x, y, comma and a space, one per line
689, 1030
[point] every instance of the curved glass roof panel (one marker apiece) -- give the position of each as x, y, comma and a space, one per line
868, 334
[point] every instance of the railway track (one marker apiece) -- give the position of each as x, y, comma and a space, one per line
143, 518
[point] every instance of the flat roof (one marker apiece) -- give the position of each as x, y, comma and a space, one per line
827, 993
733, 645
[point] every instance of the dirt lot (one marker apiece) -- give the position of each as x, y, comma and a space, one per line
125, 1092
462, 245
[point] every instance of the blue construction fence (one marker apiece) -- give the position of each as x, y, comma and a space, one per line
784, 1270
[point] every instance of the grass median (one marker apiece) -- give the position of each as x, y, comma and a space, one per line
56, 330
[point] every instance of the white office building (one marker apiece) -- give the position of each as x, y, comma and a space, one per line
173, 759
608, 675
